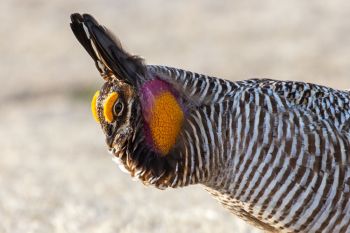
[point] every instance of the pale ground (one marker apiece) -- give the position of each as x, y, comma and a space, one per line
55, 173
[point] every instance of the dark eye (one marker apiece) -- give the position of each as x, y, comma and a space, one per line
118, 108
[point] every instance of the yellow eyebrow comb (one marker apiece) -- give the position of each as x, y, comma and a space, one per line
94, 107
108, 106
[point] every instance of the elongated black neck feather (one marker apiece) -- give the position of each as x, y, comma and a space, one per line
110, 58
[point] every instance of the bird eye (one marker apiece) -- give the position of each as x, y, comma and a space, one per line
118, 108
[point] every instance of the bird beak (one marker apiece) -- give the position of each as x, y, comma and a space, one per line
109, 141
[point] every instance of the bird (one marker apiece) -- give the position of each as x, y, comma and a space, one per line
274, 153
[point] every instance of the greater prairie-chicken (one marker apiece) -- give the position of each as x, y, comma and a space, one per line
275, 153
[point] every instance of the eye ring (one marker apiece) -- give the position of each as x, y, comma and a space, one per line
118, 108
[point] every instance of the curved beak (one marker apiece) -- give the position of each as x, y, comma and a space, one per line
109, 141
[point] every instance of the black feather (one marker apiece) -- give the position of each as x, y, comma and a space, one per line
79, 32
126, 67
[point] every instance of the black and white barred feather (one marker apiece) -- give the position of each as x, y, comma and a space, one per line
276, 153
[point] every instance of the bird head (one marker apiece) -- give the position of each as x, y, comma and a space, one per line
140, 114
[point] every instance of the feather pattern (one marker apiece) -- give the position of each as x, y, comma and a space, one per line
277, 156
275, 153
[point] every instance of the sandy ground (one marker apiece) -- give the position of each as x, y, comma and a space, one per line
55, 173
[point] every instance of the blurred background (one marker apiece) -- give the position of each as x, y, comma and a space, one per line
55, 172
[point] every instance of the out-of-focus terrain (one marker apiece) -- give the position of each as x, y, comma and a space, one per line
55, 172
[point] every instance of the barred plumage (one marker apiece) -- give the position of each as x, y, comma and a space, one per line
275, 153
285, 161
